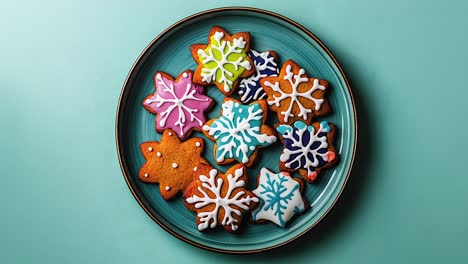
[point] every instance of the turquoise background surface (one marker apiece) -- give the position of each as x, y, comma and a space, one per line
64, 200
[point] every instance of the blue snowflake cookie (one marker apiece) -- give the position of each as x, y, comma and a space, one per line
280, 197
266, 65
307, 148
239, 131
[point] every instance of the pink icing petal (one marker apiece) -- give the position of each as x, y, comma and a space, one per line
331, 156
180, 105
312, 176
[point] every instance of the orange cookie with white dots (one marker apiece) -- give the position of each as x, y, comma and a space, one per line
171, 162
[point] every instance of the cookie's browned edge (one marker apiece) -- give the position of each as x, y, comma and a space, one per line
117, 134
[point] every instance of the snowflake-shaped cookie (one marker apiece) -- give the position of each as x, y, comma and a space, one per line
178, 105
239, 131
295, 96
280, 197
307, 148
219, 199
224, 60
171, 163
266, 64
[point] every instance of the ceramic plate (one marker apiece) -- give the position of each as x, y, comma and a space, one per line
169, 52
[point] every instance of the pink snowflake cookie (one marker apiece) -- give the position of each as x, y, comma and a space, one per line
178, 104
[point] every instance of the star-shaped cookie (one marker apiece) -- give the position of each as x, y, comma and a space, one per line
239, 131
171, 163
294, 96
220, 199
178, 104
224, 60
280, 197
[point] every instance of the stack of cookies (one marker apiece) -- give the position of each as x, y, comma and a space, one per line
177, 163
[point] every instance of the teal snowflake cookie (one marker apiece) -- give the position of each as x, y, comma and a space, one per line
280, 197
239, 132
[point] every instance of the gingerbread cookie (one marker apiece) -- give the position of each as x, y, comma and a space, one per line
294, 96
307, 148
171, 163
224, 60
178, 104
239, 131
219, 199
280, 197
266, 64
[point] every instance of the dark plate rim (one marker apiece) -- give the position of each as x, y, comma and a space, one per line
121, 99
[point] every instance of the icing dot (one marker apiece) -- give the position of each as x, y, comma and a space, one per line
236, 104
240, 110
158, 154
146, 175
150, 149
175, 165
170, 134
185, 75
251, 147
167, 188
197, 144
195, 169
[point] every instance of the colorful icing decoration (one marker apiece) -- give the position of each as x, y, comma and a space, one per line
307, 148
295, 96
239, 131
170, 163
265, 65
219, 199
179, 105
280, 197
224, 60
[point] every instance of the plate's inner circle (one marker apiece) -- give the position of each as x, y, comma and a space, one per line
171, 54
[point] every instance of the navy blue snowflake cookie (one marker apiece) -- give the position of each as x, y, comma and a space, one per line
307, 148
266, 65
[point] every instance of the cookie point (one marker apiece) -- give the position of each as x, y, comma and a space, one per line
195, 168
158, 154
167, 188
331, 156
150, 149
198, 144
184, 75
175, 165
170, 133
312, 176
146, 175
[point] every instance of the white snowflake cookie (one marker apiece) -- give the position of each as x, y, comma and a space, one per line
239, 132
294, 96
224, 60
280, 197
220, 199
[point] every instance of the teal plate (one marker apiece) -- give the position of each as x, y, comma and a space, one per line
169, 52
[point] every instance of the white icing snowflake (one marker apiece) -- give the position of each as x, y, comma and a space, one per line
231, 203
224, 49
280, 197
237, 131
294, 81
